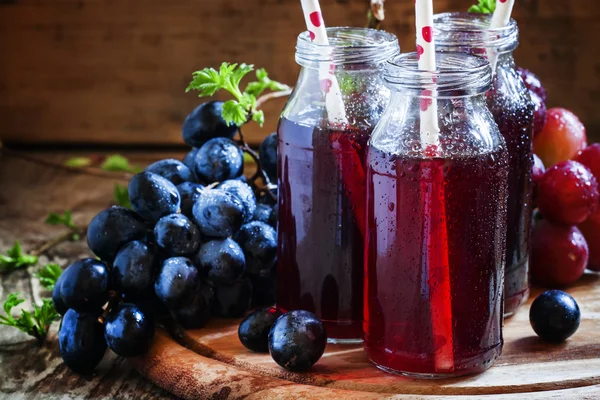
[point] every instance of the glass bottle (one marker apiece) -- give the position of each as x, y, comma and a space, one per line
436, 223
509, 102
322, 178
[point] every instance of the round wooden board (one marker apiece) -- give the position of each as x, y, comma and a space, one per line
211, 363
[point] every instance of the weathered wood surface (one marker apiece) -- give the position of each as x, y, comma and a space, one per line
100, 71
28, 192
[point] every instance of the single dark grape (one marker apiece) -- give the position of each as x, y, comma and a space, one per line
264, 289
297, 340
196, 313
176, 282
532, 82
218, 213
273, 216
205, 123
84, 285
189, 193
153, 196
259, 243
244, 192
267, 152
177, 235
217, 160
554, 315
539, 113
129, 330
190, 157
81, 341
112, 228
262, 213
220, 261
134, 269
172, 170
233, 301
59, 304
254, 329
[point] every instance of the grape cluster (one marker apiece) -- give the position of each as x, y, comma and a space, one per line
200, 241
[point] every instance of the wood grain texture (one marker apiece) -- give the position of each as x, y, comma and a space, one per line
108, 71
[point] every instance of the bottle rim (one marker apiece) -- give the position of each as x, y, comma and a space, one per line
347, 45
460, 30
457, 75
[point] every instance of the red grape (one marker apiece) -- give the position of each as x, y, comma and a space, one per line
562, 137
538, 170
559, 254
568, 193
591, 231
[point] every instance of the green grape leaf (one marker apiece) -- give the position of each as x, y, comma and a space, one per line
48, 275
118, 163
34, 323
15, 259
78, 162
121, 196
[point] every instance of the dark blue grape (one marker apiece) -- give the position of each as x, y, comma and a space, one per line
129, 330
153, 196
297, 340
190, 158
59, 304
254, 330
81, 341
84, 286
111, 229
205, 123
189, 193
196, 313
220, 261
218, 213
259, 243
232, 301
177, 235
267, 152
554, 316
134, 269
262, 213
244, 192
172, 170
273, 216
218, 160
177, 281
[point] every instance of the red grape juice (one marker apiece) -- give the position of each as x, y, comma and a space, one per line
434, 262
321, 225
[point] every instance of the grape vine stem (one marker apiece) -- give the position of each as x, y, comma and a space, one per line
272, 95
55, 241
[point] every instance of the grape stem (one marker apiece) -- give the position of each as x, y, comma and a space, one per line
272, 95
79, 170
260, 172
55, 241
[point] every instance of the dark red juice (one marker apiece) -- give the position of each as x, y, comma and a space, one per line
321, 224
515, 121
434, 262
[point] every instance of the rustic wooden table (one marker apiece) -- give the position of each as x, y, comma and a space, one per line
28, 192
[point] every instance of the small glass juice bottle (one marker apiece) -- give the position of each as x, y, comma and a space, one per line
436, 223
509, 102
322, 178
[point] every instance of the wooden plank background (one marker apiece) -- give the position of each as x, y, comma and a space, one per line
114, 71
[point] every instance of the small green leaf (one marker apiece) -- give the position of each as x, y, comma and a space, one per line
78, 162
65, 219
48, 275
118, 163
248, 158
12, 301
121, 196
483, 7
15, 259
34, 324
234, 112
259, 117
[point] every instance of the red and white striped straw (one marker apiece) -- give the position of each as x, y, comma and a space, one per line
426, 52
334, 102
437, 253
500, 19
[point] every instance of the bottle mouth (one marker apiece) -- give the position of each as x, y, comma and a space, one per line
456, 75
464, 31
347, 46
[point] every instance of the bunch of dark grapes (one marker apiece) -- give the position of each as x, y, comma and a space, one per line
199, 242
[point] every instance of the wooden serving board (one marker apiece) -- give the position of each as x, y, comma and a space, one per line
211, 362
